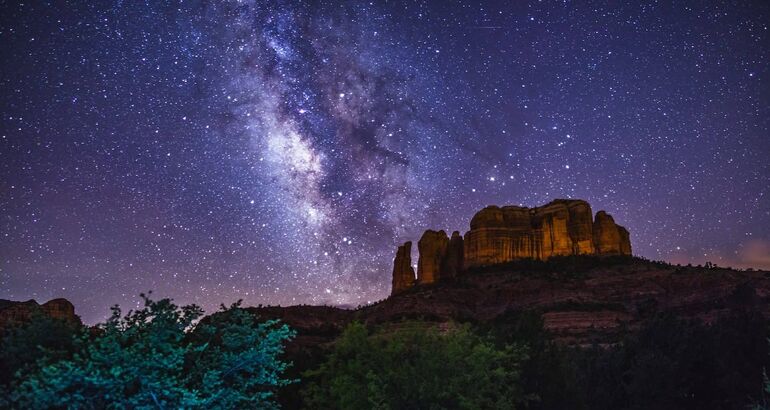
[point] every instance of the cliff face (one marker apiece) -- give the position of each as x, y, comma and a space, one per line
610, 239
455, 256
403, 272
433, 250
12, 313
499, 235
440, 257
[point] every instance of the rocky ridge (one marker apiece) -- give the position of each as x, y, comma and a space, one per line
503, 234
12, 313
582, 300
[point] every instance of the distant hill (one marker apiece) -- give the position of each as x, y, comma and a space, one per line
583, 300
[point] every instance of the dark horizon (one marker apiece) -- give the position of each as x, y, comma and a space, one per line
279, 152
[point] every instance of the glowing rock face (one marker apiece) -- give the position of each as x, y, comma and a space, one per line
609, 238
403, 272
562, 227
433, 250
503, 234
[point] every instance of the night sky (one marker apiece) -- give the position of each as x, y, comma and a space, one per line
279, 151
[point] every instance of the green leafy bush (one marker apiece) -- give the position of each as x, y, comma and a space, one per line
23, 345
668, 363
416, 367
157, 357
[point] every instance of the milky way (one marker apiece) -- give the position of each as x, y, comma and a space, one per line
277, 152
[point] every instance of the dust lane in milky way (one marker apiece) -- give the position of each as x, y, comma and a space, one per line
278, 151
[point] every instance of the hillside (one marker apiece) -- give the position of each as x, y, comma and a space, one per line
582, 299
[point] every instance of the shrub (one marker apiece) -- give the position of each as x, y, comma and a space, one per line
150, 358
416, 368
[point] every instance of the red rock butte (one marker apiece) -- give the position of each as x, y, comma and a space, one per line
503, 234
13, 313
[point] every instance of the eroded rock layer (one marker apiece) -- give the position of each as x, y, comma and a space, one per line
453, 261
503, 234
13, 313
562, 227
598, 306
433, 250
403, 272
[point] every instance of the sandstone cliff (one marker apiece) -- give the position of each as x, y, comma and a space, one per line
12, 313
503, 234
403, 272
433, 245
609, 238
455, 256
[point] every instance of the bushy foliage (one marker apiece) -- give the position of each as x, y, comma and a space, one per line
43, 336
764, 401
667, 364
416, 368
239, 364
673, 363
164, 356
547, 376
150, 359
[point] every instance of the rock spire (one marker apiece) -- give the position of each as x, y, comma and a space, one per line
503, 234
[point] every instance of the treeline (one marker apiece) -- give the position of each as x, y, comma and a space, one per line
157, 357
166, 356
668, 364
513, 363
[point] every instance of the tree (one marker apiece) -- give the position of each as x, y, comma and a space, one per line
416, 368
43, 336
238, 364
150, 358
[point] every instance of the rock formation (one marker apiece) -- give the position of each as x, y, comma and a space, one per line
503, 234
609, 238
453, 262
625, 241
433, 250
13, 313
403, 272
601, 305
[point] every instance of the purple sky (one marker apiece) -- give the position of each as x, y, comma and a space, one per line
279, 151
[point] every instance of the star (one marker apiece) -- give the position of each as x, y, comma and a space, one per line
285, 150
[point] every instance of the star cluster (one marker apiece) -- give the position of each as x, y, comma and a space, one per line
278, 151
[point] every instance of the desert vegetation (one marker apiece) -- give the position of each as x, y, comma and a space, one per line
167, 356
